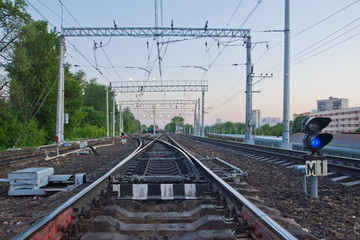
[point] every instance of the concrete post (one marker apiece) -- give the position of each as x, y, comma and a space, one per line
194, 132
314, 186
286, 105
113, 117
198, 119
120, 128
154, 112
202, 114
249, 71
107, 111
60, 94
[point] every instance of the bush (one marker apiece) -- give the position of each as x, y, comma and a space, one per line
90, 131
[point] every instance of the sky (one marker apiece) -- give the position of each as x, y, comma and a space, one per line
324, 50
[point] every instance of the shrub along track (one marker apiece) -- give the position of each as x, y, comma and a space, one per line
334, 215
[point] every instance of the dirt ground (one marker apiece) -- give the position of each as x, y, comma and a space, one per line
334, 215
16, 213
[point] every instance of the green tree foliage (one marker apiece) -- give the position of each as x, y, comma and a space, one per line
11, 125
175, 121
93, 117
33, 72
297, 123
28, 94
73, 101
95, 96
33, 82
188, 128
239, 128
131, 125
227, 128
12, 17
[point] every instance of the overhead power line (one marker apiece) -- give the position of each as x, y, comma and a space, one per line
308, 28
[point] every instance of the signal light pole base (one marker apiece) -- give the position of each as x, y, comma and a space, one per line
315, 166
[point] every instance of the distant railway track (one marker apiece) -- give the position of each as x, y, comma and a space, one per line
160, 191
336, 164
32, 154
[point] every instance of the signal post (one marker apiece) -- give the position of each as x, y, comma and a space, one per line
314, 141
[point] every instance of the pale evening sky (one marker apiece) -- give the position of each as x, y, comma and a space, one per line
325, 47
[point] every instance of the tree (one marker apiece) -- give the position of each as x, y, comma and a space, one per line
73, 100
12, 17
33, 76
175, 121
95, 96
130, 123
297, 123
188, 128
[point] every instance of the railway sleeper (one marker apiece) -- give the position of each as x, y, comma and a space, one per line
176, 219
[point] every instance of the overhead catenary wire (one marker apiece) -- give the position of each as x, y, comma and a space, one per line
223, 49
307, 28
71, 44
95, 47
305, 52
207, 52
31, 5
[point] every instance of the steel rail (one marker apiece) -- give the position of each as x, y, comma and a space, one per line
237, 197
37, 226
345, 165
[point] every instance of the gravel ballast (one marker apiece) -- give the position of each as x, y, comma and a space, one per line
17, 213
334, 215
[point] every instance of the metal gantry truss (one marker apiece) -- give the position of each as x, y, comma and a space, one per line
155, 32
161, 86
170, 86
157, 102
147, 109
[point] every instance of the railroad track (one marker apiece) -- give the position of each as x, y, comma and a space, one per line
31, 154
160, 191
340, 168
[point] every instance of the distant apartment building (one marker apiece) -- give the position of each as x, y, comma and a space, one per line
332, 104
271, 121
256, 118
218, 121
343, 120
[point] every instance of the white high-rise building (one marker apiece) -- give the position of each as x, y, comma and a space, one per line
332, 104
271, 121
256, 118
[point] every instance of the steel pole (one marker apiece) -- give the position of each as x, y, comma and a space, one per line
286, 105
60, 95
249, 72
107, 111
202, 114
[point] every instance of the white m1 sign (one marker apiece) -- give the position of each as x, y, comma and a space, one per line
316, 168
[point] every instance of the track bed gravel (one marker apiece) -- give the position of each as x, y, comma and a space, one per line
16, 213
334, 215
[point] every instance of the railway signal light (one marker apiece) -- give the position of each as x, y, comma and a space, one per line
314, 140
